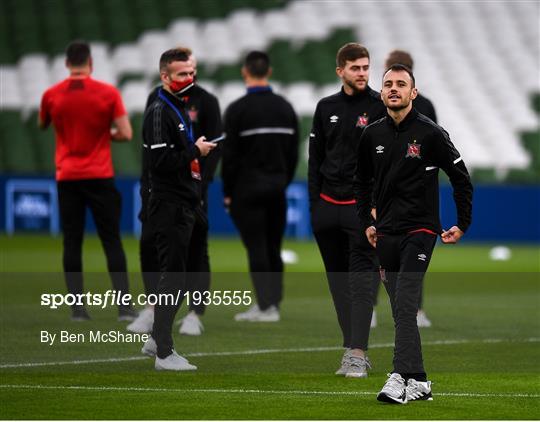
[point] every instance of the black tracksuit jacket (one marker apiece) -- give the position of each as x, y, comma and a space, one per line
205, 115
168, 153
333, 144
260, 152
404, 162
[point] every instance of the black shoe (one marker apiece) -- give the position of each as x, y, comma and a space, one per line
78, 313
127, 313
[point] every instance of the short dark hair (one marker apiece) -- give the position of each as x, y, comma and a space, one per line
257, 64
398, 67
172, 55
399, 56
350, 52
78, 53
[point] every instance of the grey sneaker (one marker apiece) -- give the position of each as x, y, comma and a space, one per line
344, 363
394, 390
149, 348
418, 390
358, 367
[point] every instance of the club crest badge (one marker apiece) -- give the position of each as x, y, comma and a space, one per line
413, 150
362, 120
193, 114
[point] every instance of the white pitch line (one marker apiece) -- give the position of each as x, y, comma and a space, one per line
260, 352
244, 391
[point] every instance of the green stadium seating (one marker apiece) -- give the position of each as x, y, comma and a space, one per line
55, 26
17, 148
23, 24
44, 145
87, 20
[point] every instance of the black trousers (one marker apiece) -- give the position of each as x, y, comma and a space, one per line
197, 265
105, 204
172, 225
377, 285
351, 267
261, 222
405, 259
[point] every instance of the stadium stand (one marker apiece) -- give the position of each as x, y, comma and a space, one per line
480, 77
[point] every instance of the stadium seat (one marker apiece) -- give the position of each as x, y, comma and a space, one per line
11, 93
135, 94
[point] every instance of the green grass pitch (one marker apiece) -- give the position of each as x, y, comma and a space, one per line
482, 352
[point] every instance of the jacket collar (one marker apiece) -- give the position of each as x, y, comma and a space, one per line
405, 123
257, 89
177, 101
362, 94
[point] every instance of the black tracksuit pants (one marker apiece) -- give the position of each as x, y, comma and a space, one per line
350, 264
197, 265
172, 225
377, 285
261, 222
105, 204
405, 259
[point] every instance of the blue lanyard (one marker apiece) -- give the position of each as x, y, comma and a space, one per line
189, 128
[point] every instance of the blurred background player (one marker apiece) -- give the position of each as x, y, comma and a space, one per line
174, 176
425, 106
205, 115
348, 258
405, 182
87, 114
260, 156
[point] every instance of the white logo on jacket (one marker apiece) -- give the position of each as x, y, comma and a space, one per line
380, 149
334, 118
422, 257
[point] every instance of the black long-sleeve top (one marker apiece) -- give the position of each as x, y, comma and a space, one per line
338, 123
401, 165
260, 152
169, 152
204, 112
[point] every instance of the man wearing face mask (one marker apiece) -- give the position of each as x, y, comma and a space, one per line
171, 153
205, 115
348, 258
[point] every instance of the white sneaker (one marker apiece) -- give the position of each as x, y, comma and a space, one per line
418, 390
373, 319
191, 325
254, 314
358, 367
174, 362
344, 363
422, 320
149, 348
394, 390
143, 323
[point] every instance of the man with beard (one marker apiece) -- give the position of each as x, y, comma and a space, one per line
204, 112
172, 155
348, 258
402, 154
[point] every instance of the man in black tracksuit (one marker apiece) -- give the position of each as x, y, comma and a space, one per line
423, 105
348, 258
260, 155
174, 177
205, 115
403, 152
